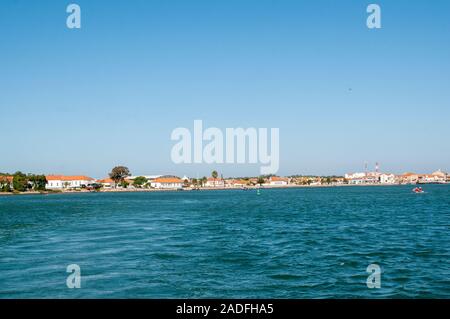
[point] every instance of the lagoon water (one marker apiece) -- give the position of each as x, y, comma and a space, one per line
283, 243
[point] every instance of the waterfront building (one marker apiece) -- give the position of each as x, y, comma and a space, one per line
237, 183
167, 183
148, 177
366, 179
408, 178
6, 182
435, 178
440, 176
278, 181
352, 176
355, 180
386, 178
440, 173
215, 182
67, 182
106, 183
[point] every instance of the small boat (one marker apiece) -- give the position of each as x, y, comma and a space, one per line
418, 190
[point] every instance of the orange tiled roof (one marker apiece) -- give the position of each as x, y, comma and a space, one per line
8, 179
239, 181
105, 180
409, 174
168, 180
68, 178
278, 179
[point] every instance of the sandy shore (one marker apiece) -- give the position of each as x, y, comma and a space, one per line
137, 190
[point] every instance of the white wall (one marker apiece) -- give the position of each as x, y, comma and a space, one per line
278, 183
166, 185
58, 184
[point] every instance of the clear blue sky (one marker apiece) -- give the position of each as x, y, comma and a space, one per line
82, 101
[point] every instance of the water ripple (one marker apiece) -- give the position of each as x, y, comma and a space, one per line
292, 243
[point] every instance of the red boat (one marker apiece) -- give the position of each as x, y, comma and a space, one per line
418, 190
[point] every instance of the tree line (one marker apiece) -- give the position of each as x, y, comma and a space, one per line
21, 182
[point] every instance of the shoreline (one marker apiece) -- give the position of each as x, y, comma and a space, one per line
34, 193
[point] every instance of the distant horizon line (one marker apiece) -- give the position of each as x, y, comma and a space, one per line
233, 176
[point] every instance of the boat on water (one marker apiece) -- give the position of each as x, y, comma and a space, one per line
418, 190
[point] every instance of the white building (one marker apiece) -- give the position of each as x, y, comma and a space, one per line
215, 182
278, 181
355, 175
148, 177
106, 182
435, 178
364, 180
167, 183
356, 180
65, 182
440, 176
236, 183
387, 178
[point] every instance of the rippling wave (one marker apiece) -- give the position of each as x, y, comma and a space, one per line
284, 243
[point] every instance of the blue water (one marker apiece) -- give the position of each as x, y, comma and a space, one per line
284, 243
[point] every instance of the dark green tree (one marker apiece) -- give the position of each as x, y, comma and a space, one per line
214, 175
140, 181
260, 181
20, 182
37, 182
119, 173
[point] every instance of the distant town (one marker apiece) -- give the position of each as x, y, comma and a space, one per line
120, 179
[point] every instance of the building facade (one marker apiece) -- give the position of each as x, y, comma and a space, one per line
215, 182
67, 182
278, 181
167, 183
